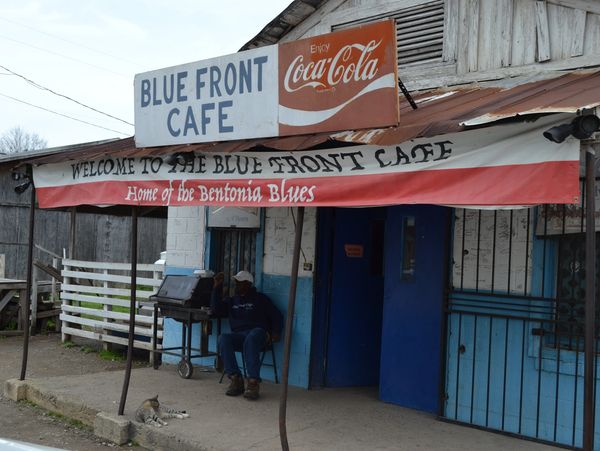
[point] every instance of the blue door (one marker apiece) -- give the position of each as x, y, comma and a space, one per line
356, 297
415, 277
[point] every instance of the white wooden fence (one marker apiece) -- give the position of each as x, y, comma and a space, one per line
95, 300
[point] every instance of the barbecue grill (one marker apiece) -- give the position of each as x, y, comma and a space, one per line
185, 299
185, 291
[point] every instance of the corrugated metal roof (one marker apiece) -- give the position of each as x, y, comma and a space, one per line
292, 15
18, 156
440, 111
567, 94
453, 110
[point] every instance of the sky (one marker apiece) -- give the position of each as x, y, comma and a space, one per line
90, 51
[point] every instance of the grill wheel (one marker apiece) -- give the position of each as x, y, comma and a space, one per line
185, 368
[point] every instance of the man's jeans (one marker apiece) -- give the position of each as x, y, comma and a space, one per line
251, 343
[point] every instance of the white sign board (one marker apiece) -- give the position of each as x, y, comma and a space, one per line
234, 217
338, 81
224, 98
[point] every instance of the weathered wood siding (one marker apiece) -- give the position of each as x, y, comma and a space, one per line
102, 238
484, 39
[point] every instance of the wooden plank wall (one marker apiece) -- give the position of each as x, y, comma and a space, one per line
495, 251
100, 237
485, 39
512, 33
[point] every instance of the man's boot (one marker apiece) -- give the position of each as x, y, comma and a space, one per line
236, 386
252, 389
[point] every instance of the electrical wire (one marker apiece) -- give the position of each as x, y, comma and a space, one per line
71, 42
64, 56
43, 88
63, 115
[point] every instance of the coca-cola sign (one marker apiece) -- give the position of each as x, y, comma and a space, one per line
337, 81
329, 72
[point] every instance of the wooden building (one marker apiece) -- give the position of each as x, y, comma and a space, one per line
471, 314
104, 233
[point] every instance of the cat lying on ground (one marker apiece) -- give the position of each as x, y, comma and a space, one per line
150, 412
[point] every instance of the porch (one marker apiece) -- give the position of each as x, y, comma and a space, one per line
344, 419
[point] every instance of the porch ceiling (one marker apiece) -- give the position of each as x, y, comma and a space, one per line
440, 111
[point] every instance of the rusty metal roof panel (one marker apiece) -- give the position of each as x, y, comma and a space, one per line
570, 93
452, 110
440, 111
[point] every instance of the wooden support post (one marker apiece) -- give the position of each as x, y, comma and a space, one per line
27, 295
34, 300
73, 232
589, 397
54, 291
289, 323
23, 307
134, 239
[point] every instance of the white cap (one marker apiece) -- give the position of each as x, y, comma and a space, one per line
244, 276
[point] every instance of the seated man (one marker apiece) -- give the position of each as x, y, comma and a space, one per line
254, 322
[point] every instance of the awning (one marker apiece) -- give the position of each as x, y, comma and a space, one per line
464, 116
502, 165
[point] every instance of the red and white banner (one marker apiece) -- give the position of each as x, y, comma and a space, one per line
337, 81
502, 165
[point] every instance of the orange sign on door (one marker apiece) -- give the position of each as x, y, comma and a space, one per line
339, 81
354, 250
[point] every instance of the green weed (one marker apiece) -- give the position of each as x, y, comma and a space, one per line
111, 356
63, 419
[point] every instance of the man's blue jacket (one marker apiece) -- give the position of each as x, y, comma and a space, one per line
248, 312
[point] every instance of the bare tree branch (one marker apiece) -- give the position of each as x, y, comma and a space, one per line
18, 140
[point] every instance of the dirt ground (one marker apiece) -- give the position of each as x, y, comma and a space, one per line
48, 357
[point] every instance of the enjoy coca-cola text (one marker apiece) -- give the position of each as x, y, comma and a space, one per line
344, 67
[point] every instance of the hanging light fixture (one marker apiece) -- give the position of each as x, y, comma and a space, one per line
582, 127
24, 178
181, 158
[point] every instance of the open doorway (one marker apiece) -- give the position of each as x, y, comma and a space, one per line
379, 301
349, 306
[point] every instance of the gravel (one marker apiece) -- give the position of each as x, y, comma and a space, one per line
48, 357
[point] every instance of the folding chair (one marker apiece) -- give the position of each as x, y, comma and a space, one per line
268, 348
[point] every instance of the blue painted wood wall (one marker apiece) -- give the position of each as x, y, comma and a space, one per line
500, 367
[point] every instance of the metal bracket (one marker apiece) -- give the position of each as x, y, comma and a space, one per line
407, 94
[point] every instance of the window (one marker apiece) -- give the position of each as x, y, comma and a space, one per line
492, 252
571, 284
419, 31
563, 228
233, 250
